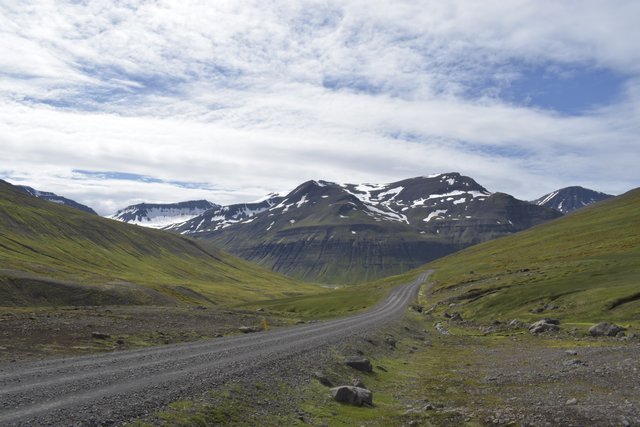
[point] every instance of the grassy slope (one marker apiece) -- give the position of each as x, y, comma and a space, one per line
44, 246
587, 264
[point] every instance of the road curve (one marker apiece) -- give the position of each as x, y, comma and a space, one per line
114, 387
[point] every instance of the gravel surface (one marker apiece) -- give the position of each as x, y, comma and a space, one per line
111, 389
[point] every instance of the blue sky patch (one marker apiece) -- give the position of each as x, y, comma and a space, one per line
126, 176
566, 89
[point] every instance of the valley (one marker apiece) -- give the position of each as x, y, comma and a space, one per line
76, 285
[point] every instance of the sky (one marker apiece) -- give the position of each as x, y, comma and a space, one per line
112, 103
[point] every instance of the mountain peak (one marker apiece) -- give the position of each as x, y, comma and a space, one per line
569, 199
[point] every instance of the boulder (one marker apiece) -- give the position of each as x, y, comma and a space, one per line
359, 363
543, 325
604, 329
352, 395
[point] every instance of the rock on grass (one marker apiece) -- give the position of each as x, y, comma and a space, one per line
352, 395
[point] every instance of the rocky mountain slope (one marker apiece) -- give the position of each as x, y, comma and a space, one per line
162, 215
346, 233
52, 197
569, 199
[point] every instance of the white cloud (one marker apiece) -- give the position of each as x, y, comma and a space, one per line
254, 97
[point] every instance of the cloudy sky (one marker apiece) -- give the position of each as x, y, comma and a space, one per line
116, 102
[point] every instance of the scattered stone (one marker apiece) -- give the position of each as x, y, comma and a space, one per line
120, 341
248, 329
441, 329
515, 323
418, 308
100, 335
571, 352
381, 368
390, 341
572, 401
537, 310
323, 379
573, 362
359, 363
544, 325
446, 315
604, 329
456, 317
352, 395
300, 322
260, 309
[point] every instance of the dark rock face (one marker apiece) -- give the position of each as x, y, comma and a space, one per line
52, 197
345, 233
359, 363
604, 329
570, 199
352, 395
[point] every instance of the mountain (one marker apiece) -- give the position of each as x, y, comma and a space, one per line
582, 268
221, 217
55, 255
52, 197
162, 215
347, 233
569, 199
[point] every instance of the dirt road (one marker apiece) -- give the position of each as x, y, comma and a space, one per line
112, 388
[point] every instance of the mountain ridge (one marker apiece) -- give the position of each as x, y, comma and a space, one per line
54, 198
347, 233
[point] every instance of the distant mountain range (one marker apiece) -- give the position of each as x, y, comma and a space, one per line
569, 199
344, 233
163, 215
52, 197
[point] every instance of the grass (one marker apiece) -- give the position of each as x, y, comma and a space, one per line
334, 303
55, 255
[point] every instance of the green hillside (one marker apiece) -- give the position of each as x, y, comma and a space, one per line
55, 255
584, 267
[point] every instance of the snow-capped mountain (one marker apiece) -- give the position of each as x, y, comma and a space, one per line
222, 217
52, 197
569, 199
331, 232
163, 215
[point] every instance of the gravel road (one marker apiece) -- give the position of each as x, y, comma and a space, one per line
110, 389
